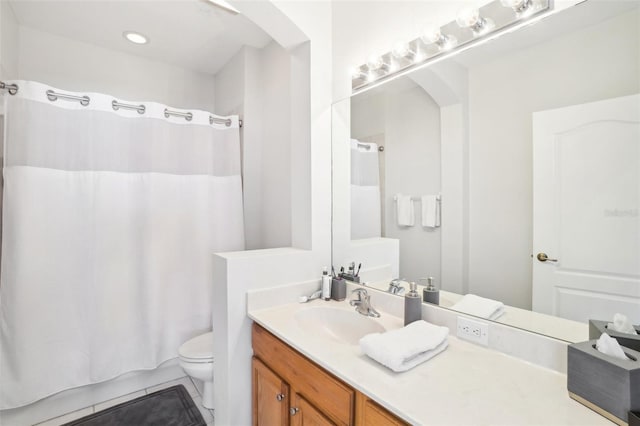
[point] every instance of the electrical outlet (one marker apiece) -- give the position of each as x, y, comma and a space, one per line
474, 331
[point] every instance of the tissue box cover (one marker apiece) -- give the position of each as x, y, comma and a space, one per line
596, 328
608, 385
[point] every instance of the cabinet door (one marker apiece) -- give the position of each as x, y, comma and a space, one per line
333, 398
270, 397
369, 413
305, 414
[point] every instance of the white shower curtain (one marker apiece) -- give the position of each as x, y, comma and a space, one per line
109, 225
365, 191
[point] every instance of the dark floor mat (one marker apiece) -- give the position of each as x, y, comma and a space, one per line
167, 407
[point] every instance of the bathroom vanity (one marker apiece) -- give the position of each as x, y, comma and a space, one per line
308, 367
286, 385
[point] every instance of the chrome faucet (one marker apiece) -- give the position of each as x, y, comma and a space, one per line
395, 287
363, 303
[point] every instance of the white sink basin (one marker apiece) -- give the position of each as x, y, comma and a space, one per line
341, 325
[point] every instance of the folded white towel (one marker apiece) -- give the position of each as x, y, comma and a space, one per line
404, 210
479, 307
404, 348
430, 211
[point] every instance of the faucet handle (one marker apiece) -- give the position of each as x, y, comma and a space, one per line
360, 292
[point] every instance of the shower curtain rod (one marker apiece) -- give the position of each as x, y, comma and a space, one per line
116, 105
12, 88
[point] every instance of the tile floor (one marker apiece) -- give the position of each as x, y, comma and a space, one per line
193, 390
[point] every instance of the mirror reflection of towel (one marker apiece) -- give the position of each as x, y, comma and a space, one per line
430, 211
404, 210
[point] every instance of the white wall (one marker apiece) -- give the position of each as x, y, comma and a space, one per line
503, 95
302, 28
257, 83
230, 86
410, 121
276, 176
76, 66
8, 42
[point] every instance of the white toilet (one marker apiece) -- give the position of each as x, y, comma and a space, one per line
196, 359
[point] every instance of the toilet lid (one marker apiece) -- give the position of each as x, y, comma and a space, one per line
200, 347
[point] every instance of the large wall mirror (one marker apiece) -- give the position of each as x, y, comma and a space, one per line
509, 170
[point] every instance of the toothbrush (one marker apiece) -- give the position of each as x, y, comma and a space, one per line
358, 272
305, 299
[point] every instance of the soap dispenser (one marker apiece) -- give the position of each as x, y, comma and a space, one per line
412, 305
326, 284
431, 293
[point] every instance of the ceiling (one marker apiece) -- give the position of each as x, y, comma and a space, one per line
192, 34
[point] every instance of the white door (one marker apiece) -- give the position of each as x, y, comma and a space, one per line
586, 198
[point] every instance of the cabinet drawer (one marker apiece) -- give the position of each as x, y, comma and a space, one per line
332, 397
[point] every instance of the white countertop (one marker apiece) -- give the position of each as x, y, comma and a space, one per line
465, 385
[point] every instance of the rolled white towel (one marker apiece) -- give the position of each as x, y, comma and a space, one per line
404, 348
479, 307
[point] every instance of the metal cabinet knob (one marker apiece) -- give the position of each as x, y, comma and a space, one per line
542, 257
293, 411
280, 396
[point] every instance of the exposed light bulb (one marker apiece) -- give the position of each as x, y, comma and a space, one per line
470, 18
403, 50
375, 61
520, 7
356, 73
432, 34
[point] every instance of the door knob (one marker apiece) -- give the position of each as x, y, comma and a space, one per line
293, 410
280, 396
542, 257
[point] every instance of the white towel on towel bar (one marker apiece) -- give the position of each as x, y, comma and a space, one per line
479, 307
430, 211
404, 348
404, 210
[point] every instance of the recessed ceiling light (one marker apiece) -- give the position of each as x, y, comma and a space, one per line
135, 37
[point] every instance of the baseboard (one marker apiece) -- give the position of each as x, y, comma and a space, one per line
86, 396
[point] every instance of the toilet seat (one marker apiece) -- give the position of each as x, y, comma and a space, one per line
198, 350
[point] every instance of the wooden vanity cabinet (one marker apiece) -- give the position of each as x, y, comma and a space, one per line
289, 389
270, 396
370, 413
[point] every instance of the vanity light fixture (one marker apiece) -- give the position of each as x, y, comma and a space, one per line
470, 26
135, 37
